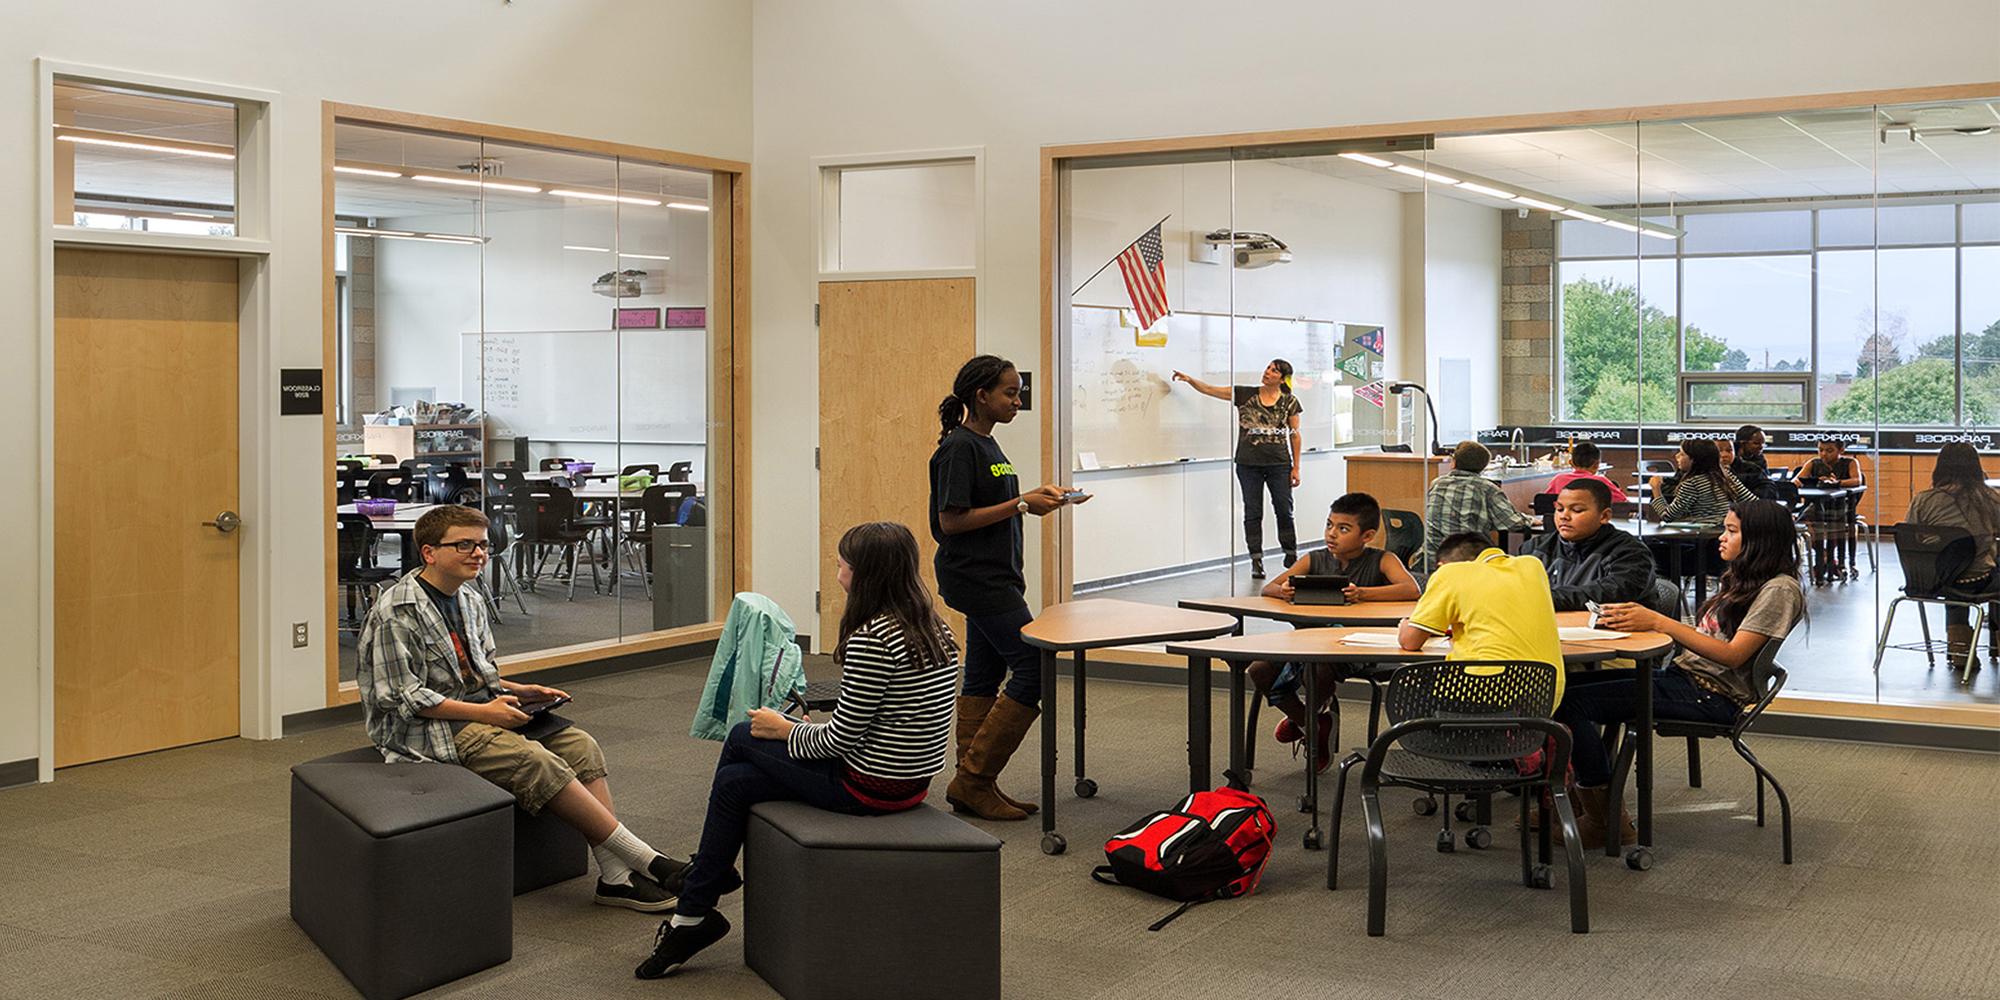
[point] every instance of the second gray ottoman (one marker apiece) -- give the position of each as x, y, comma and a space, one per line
905, 905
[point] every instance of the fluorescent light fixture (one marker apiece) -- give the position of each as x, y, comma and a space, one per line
1658, 234
1533, 203
644, 256
567, 246
1373, 161
365, 171
1624, 226
1579, 214
1489, 192
601, 196
156, 147
690, 206
1406, 169
197, 215
404, 234
474, 182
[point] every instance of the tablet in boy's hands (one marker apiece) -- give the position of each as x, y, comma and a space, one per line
538, 707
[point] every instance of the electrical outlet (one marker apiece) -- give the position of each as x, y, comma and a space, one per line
298, 634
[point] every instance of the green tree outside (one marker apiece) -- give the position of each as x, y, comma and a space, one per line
1601, 319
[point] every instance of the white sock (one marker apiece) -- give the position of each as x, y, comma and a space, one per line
681, 921
628, 848
611, 869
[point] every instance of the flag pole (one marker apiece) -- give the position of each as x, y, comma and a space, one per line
1121, 252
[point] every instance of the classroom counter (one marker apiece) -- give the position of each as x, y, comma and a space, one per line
1397, 481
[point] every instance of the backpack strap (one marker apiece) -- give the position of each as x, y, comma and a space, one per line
1105, 874
1183, 908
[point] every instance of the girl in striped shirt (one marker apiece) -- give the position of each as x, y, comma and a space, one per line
887, 738
1706, 490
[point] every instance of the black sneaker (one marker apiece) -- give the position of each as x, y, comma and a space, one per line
642, 894
673, 946
669, 872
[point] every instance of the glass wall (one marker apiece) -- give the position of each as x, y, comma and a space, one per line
131, 159
527, 331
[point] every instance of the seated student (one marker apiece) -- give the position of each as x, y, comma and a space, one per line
1493, 605
1704, 492
1750, 466
1960, 498
1589, 558
1462, 500
1585, 458
1373, 575
1759, 602
887, 738
429, 692
1832, 520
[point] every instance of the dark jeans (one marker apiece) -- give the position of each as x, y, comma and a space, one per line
993, 648
1954, 615
1255, 479
752, 771
1605, 696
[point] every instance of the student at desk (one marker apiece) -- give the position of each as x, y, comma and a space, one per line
1493, 606
1583, 460
1373, 575
1832, 520
1705, 490
1589, 558
1462, 500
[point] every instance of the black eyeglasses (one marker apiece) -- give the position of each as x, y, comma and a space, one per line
467, 546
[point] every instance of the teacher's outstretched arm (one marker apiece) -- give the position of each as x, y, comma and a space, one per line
1218, 391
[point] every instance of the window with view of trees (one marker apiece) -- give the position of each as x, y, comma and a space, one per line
1903, 335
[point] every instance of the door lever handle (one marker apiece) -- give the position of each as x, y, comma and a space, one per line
225, 522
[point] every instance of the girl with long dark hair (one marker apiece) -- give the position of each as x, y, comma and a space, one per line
1705, 489
1832, 520
1960, 498
886, 740
1759, 601
1267, 454
976, 510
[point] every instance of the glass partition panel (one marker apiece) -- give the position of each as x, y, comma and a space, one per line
127, 158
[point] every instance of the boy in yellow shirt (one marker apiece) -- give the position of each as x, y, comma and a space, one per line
1493, 605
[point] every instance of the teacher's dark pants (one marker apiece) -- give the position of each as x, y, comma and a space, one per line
1255, 479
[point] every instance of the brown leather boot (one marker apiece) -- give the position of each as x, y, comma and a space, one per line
972, 789
971, 715
1593, 810
1958, 640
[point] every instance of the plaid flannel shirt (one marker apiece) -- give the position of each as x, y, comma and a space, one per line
407, 664
1464, 501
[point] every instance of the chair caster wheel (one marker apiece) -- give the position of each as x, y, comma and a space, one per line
1479, 838
1639, 859
1053, 843
1466, 812
1305, 804
1085, 788
1446, 842
1425, 806
1314, 840
1542, 878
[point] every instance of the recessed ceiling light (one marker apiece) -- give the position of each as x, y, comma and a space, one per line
1373, 161
644, 256
365, 171
567, 246
690, 206
405, 234
1625, 226
600, 196
1533, 203
155, 147
1406, 169
474, 182
1658, 235
1489, 192
1585, 216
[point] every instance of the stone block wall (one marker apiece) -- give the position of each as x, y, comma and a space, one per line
1527, 327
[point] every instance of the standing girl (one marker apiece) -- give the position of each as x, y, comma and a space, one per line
1267, 454
975, 512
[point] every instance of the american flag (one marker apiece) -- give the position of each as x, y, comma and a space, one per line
1144, 266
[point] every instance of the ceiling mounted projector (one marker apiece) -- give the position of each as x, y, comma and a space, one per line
1251, 250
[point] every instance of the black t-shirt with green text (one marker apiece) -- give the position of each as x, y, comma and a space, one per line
978, 571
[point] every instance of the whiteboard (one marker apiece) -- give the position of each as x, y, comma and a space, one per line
1126, 410
635, 386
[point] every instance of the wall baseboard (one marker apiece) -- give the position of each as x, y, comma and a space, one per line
20, 772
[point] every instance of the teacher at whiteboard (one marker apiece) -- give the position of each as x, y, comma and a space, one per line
1267, 454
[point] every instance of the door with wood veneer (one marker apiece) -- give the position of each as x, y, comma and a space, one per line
888, 350
146, 584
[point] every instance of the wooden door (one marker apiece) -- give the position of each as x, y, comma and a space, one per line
146, 639
887, 354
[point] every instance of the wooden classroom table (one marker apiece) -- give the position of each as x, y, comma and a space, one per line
1077, 627
1326, 645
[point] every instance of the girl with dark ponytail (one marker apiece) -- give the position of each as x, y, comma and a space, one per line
975, 513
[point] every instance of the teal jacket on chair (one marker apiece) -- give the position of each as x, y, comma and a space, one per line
757, 665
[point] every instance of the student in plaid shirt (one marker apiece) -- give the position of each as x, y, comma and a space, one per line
429, 692
1462, 500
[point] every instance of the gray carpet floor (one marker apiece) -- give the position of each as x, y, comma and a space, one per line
165, 876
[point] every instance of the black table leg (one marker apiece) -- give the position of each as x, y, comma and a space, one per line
1641, 857
1239, 747
1085, 788
1198, 723
1309, 802
1052, 842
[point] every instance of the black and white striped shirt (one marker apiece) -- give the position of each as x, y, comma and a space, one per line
894, 719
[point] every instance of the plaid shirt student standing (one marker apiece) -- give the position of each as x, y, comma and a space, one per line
408, 664
1465, 501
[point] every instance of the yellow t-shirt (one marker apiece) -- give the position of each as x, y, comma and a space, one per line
1495, 607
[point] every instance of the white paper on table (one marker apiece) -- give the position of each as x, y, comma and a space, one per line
1389, 640
1579, 633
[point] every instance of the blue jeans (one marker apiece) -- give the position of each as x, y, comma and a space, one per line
1604, 696
1255, 479
752, 771
994, 649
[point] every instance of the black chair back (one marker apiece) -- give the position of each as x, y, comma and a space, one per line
552, 464
1455, 694
680, 472
354, 536
649, 468
387, 485
1405, 535
500, 481
1786, 492
383, 459
542, 513
1545, 505
349, 465
1933, 555
662, 503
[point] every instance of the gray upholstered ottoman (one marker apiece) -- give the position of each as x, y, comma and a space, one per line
905, 905
546, 849
400, 871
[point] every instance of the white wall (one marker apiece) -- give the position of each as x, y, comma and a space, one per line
898, 75
558, 67
1461, 289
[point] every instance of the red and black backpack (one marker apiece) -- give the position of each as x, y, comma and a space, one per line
1211, 845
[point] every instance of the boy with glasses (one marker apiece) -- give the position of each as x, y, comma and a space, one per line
430, 692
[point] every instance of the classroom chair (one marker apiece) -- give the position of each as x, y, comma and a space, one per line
1403, 534
1933, 556
649, 468
547, 518
680, 472
354, 540
1457, 727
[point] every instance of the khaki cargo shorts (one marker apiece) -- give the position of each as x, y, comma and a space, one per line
533, 771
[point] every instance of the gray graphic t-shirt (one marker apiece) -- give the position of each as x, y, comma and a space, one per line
1264, 433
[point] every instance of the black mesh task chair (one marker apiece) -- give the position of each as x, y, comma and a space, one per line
1933, 557
1765, 676
1457, 728
546, 516
354, 540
